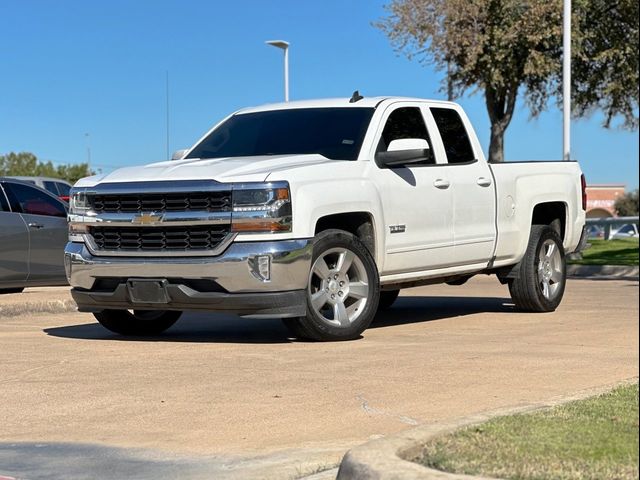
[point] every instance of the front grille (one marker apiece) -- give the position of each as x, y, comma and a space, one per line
162, 202
159, 239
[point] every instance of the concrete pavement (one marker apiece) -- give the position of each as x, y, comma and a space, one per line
219, 390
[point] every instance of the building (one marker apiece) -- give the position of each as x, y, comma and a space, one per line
601, 199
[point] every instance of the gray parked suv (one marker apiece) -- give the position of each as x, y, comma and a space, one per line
33, 233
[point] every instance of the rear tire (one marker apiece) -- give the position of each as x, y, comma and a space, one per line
342, 291
387, 299
541, 280
140, 322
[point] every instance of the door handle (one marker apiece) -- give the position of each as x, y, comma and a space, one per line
37, 226
483, 182
441, 183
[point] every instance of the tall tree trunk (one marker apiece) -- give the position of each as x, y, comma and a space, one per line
496, 144
500, 106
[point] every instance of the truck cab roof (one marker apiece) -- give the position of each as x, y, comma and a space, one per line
370, 102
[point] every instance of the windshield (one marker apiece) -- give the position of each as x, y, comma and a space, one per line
336, 133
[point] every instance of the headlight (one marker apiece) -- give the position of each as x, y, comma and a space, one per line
261, 208
78, 201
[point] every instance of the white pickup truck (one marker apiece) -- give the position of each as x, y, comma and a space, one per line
318, 212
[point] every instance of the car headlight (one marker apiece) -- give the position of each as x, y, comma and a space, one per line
78, 201
261, 208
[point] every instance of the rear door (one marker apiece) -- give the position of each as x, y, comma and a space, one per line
474, 223
14, 245
46, 219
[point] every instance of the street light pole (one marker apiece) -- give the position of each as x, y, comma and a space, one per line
285, 47
566, 81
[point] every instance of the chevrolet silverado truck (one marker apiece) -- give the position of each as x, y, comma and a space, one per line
319, 212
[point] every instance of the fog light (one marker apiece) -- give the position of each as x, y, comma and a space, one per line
261, 267
67, 266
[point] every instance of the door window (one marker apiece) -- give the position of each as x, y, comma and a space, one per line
63, 189
27, 199
51, 187
4, 205
454, 135
405, 122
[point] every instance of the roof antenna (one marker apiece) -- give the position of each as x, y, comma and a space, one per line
355, 97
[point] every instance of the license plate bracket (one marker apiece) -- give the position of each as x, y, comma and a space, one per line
148, 290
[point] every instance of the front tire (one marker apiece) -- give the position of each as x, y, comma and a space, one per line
137, 322
342, 291
541, 280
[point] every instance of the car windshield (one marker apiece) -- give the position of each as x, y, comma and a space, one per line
335, 133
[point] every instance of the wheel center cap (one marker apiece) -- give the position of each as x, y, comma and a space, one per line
333, 286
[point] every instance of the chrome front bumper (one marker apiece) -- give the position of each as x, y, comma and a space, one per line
241, 286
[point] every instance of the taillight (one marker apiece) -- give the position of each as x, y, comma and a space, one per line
583, 182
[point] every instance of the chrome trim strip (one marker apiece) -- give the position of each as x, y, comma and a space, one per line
94, 250
170, 219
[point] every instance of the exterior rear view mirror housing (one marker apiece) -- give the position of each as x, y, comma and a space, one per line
404, 151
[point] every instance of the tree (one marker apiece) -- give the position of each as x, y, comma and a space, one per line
505, 48
627, 205
27, 164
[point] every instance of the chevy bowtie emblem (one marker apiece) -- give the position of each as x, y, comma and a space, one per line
147, 218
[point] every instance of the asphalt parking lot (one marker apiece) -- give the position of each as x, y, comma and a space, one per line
224, 397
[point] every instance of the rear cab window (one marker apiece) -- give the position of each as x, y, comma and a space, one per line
454, 136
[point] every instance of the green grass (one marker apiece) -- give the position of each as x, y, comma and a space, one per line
593, 439
610, 252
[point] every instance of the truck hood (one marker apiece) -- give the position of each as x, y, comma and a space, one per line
230, 169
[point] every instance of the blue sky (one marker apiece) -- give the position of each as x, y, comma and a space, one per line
73, 67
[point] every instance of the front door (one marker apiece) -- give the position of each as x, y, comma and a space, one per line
45, 217
417, 200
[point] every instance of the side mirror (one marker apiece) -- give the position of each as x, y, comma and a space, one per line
178, 154
404, 151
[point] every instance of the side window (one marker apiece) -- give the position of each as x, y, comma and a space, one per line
454, 135
27, 199
50, 187
63, 189
4, 206
405, 122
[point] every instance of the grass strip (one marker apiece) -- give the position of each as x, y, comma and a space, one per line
610, 252
592, 439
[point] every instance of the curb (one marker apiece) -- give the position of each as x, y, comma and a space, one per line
384, 458
47, 306
621, 272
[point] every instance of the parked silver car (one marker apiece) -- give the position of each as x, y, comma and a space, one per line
33, 233
60, 188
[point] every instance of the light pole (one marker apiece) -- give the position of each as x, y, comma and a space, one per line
566, 81
284, 46
86, 136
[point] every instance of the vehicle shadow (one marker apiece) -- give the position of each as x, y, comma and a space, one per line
428, 309
217, 328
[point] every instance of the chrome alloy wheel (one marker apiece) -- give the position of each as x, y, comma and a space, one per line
338, 287
550, 269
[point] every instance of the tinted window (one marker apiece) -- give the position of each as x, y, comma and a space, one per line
50, 187
336, 133
454, 135
63, 189
27, 199
406, 122
4, 206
